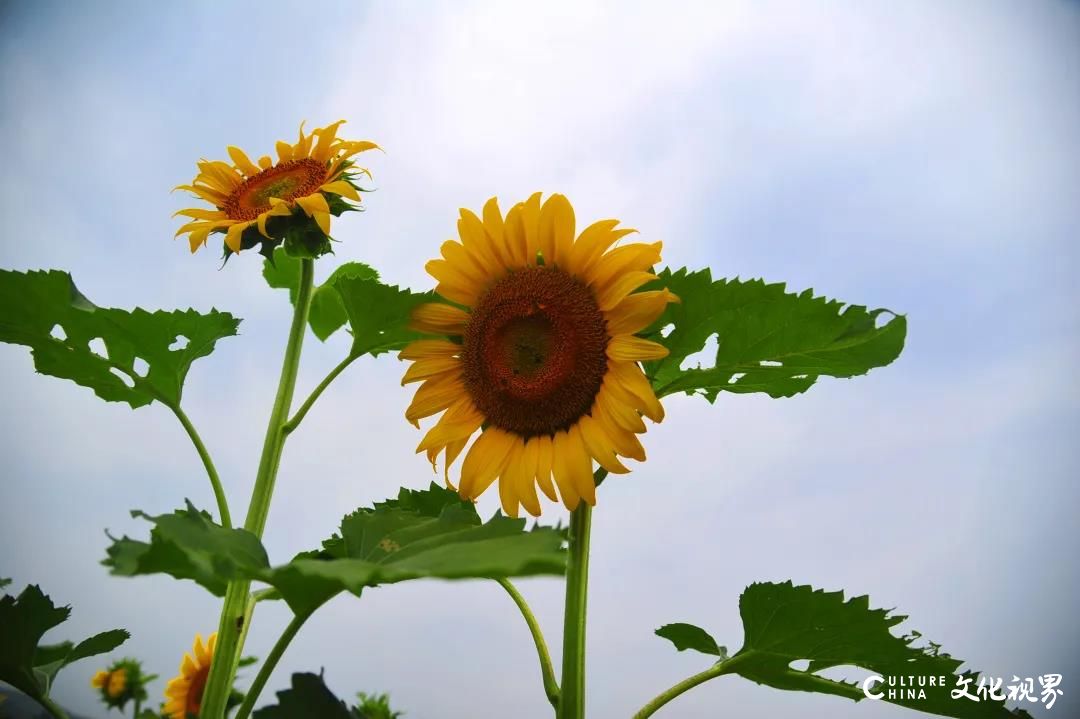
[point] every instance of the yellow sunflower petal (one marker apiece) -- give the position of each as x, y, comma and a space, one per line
214, 197
599, 445
580, 465
266, 162
508, 479
326, 135
313, 204
99, 679
426, 368
637, 311
627, 348
525, 477
343, 188
618, 262
438, 318
242, 161
201, 214
631, 379
284, 151
484, 461
477, 243
556, 229
423, 349
232, 238
617, 291
543, 466
433, 396
562, 469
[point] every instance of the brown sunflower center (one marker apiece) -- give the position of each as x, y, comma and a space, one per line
285, 181
534, 352
196, 690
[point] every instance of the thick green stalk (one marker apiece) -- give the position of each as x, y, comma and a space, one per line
572, 697
234, 614
547, 671
269, 664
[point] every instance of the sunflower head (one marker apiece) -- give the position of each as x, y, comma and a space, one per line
538, 353
184, 692
122, 682
269, 203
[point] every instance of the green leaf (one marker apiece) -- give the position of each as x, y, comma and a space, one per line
687, 636
246, 662
785, 623
25, 619
32, 304
374, 706
431, 533
379, 314
309, 697
327, 314
187, 544
768, 340
422, 534
4, 581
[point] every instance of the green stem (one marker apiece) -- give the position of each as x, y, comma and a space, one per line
269, 664
726, 666
572, 698
53, 707
234, 613
297, 418
138, 708
551, 685
208, 463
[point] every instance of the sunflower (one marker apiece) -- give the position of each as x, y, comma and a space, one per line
184, 693
543, 360
309, 180
122, 682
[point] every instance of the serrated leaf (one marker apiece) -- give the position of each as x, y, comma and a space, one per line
25, 619
785, 623
308, 697
32, 304
768, 340
688, 636
327, 314
422, 534
379, 314
431, 533
187, 544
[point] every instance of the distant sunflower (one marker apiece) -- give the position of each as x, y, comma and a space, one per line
544, 359
122, 682
184, 693
309, 179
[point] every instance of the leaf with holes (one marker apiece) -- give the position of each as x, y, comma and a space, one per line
48, 314
784, 624
767, 340
327, 314
187, 544
421, 534
308, 697
29, 667
379, 314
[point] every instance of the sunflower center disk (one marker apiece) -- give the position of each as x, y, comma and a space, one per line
285, 181
534, 352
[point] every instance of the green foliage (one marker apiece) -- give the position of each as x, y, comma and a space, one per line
687, 636
422, 534
34, 303
431, 533
374, 706
785, 623
187, 544
768, 340
378, 314
29, 667
308, 697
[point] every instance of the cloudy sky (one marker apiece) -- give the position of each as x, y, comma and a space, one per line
918, 156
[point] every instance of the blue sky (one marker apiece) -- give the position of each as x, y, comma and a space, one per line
919, 156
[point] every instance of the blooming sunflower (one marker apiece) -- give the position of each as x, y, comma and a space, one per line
543, 359
122, 682
184, 693
308, 183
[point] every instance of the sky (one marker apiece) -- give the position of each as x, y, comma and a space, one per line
921, 157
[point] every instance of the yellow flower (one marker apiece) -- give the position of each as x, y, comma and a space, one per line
543, 360
183, 693
100, 679
244, 194
117, 683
